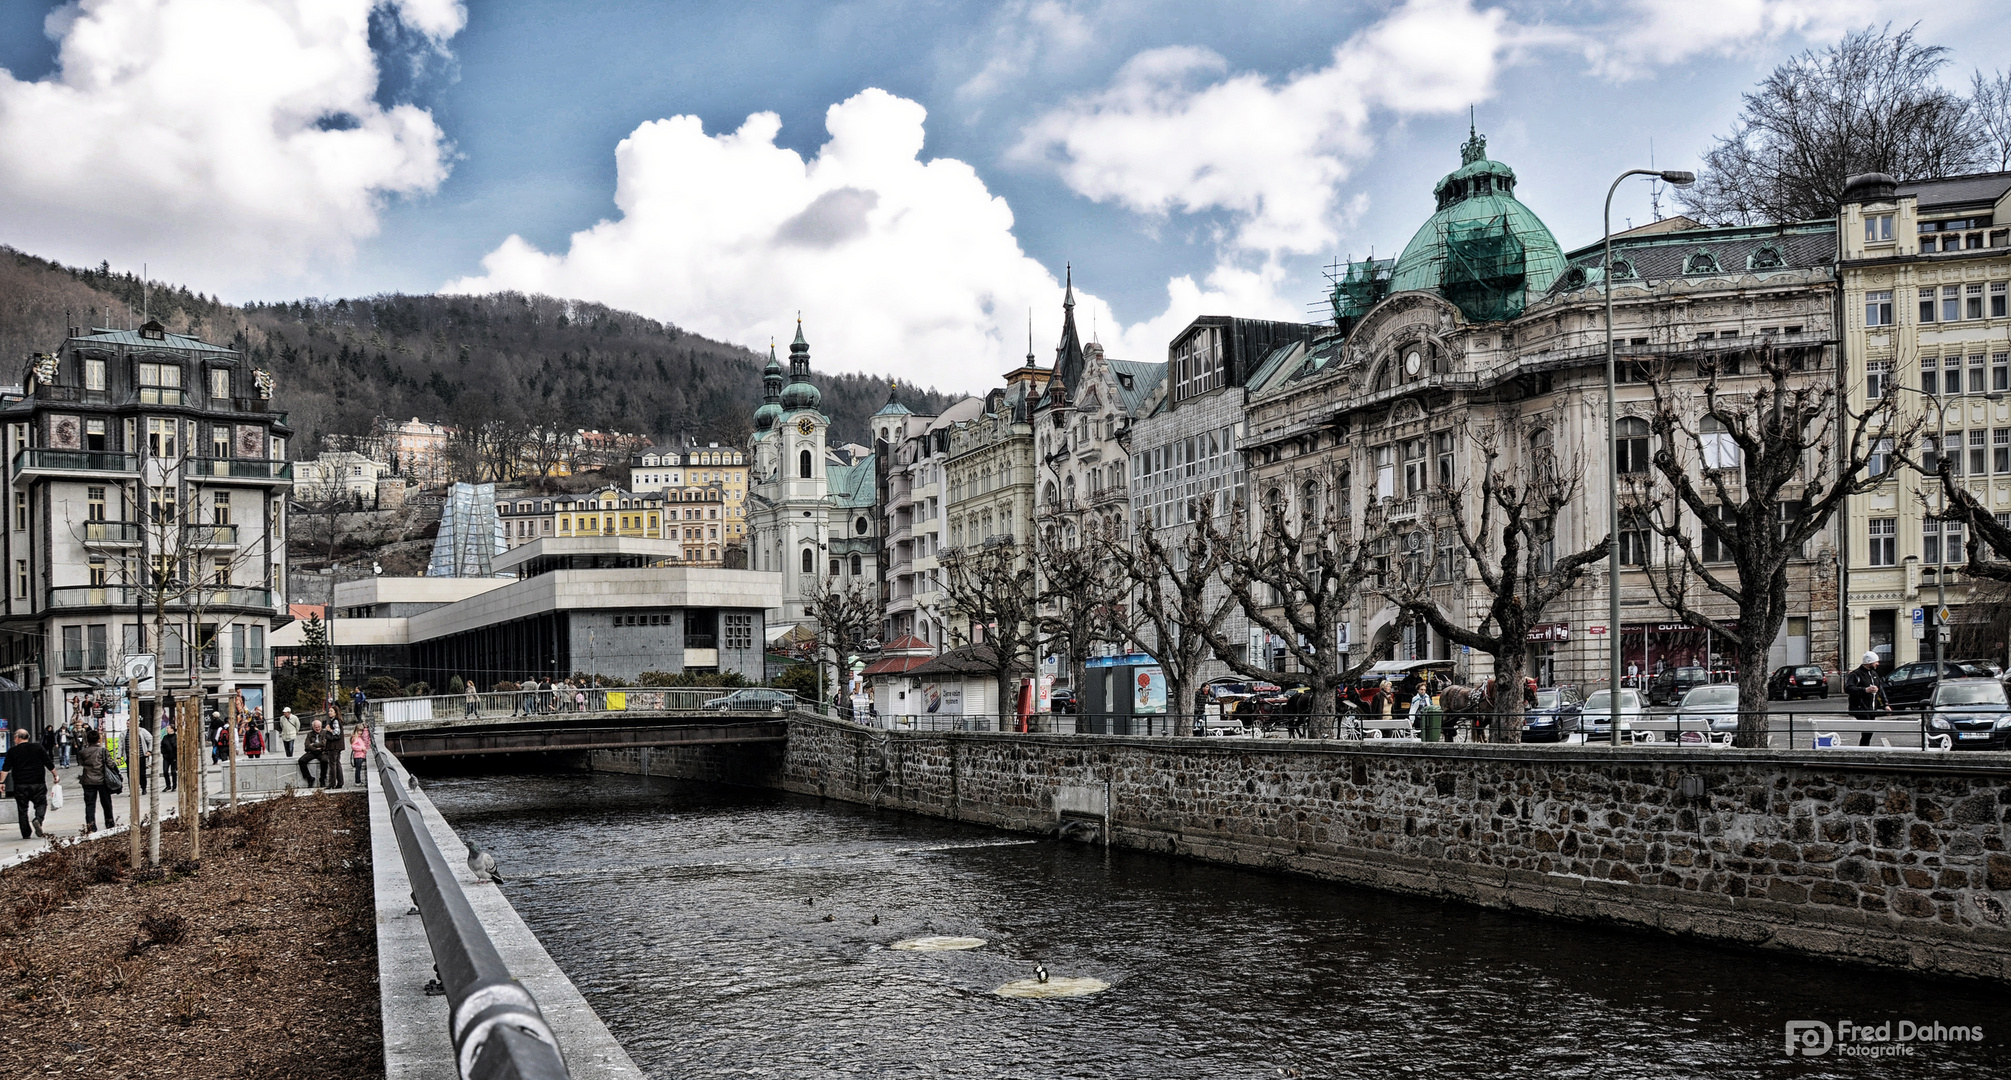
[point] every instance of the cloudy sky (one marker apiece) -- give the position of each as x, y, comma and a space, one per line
912, 176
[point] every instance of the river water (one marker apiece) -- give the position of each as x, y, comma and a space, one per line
723, 932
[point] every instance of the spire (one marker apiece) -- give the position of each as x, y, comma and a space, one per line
1029, 337
801, 393
799, 335
1068, 352
1476, 143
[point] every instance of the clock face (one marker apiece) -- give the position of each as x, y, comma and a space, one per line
1413, 361
806, 425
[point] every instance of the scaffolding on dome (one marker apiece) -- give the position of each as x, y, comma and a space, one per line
471, 534
1357, 287
1486, 269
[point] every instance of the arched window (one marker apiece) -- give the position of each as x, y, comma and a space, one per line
1630, 445
1068, 491
858, 566
1309, 502
803, 464
1542, 456
809, 561
1700, 262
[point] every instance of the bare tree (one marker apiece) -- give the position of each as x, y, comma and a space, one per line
1298, 581
1990, 105
1178, 596
1873, 102
1512, 549
989, 598
847, 617
1760, 471
326, 503
1078, 587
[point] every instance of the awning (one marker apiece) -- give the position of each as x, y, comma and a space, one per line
1401, 667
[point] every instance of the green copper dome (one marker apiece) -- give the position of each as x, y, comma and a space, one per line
801, 393
1483, 250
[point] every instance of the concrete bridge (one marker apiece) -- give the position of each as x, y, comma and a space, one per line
531, 722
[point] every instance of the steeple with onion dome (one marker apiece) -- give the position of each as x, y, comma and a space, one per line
770, 412
801, 393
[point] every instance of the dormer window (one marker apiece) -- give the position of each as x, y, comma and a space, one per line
1700, 262
1768, 257
153, 331
160, 384
219, 384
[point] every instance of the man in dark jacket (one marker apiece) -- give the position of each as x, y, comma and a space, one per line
27, 768
316, 752
1865, 689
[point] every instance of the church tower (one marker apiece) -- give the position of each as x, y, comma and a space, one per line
788, 516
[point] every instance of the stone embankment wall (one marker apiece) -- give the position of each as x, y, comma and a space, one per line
1889, 858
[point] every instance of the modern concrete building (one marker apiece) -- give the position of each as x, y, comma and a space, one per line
1925, 268
607, 605
147, 517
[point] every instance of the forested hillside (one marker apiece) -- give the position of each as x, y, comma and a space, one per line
463, 360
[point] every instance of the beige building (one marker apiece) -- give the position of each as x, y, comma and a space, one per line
689, 471
1925, 268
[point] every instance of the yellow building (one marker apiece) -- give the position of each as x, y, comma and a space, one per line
711, 475
692, 516
1925, 267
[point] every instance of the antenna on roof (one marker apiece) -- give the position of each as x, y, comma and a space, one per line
1654, 186
145, 311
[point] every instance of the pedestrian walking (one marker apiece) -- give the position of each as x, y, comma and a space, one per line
169, 746
254, 740
219, 742
65, 746
289, 729
96, 784
359, 751
1866, 689
143, 741
471, 700
27, 772
359, 701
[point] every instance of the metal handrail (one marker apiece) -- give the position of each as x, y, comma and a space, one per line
494, 1023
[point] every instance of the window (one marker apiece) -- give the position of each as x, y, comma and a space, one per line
94, 503
1976, 374
809, 561
1997, 299
803, 464
1789, 514
1879, 462
160, 384
161, 437
2000, 371
1878, 308
219, 384
1720, 449
1386, 472
1972, 307
1951, 303
94, 374
1714, 547
1877, 228
1416, 473
2000, 451
1883, 534
1927, 304
1630, 445
1633, 539
161, 505
1951, 374
1930, 542
1977, 462
1445, 450
739, 631
100, 573
1930, 378
20, 579
20, 511
858, 566
220, 572
1930, 453
73, 648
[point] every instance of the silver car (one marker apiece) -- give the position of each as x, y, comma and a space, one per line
1973, 713
1713, 708
1597, 719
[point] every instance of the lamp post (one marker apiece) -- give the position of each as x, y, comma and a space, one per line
1615, 640
1941, 512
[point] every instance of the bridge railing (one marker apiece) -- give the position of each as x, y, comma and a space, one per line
557, 702
495, 1024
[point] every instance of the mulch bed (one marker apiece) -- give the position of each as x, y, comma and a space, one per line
261, 962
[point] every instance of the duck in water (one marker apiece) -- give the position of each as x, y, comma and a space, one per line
1040, 973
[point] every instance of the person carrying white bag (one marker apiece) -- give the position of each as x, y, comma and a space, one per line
27, 770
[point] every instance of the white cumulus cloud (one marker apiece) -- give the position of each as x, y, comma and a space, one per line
1643, 34
228, 140
898, 264
1176, 131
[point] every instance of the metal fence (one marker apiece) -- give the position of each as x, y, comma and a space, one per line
569, 701
495, 1025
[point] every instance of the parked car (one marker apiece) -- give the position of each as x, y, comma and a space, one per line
1797, 681
1597, 718
1555, 715
1910, 685
1061, 699
1713, 708
1669, 687
754, 699
1973, 712
1989, 668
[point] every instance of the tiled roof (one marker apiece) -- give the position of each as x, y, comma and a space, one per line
1732, 250
1959, 190
854, 485
180, 342
1145, 378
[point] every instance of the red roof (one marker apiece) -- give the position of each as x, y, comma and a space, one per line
894, 665
908, 643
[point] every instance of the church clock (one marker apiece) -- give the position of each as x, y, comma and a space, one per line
807, 426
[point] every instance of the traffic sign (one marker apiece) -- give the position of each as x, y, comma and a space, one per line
1941, 617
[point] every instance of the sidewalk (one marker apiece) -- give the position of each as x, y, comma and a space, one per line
68, 823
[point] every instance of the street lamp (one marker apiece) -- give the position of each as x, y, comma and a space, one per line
1613, 636
1941, 512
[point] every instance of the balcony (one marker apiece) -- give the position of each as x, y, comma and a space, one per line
42, 463
1108, 496
82, 661
210, 536
128, 597
242, 659
248, 470
121, 534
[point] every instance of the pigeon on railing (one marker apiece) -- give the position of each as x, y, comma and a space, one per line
482, 863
